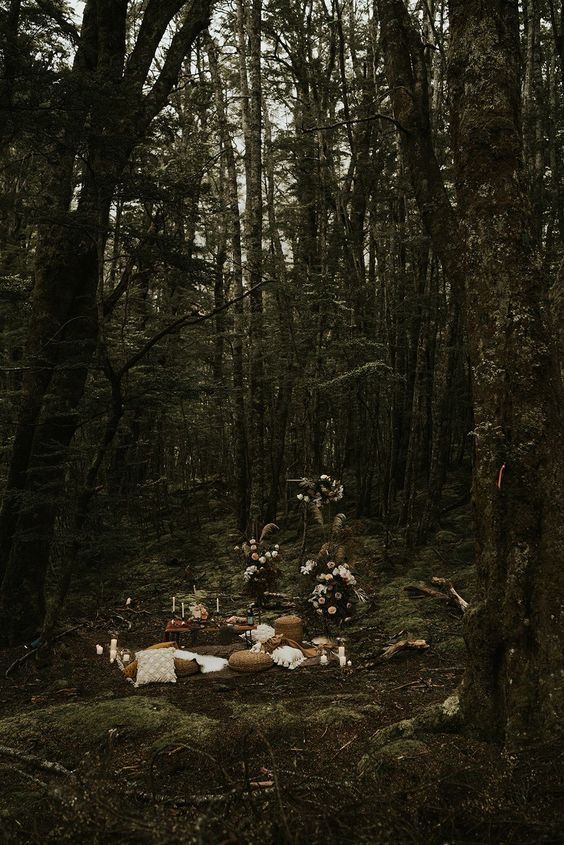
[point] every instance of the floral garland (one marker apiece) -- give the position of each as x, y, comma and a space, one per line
334, 594
320, 491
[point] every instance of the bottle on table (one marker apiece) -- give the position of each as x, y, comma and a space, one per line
250, 616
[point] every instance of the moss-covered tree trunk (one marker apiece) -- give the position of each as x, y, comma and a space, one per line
513, 689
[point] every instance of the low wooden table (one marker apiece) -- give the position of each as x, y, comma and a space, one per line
175, 628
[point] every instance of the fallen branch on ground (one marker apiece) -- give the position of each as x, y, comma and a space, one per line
32, 760
456, 597
404, 645
42, 645
448, 594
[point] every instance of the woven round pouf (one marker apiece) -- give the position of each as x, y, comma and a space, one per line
291, 627
250, 661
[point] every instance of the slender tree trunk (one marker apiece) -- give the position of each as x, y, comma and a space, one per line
250, 21
240, 421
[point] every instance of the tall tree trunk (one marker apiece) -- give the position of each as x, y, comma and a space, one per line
250, 21
240, 421
513, 687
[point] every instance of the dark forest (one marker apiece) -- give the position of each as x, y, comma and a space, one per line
281, 503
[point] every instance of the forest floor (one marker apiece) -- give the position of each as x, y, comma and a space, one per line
172, 763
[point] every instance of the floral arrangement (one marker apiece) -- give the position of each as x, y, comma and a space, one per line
335, 593
261, 559
320, 491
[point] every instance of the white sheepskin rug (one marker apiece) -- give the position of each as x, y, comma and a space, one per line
206, 662
288, 657
260, 634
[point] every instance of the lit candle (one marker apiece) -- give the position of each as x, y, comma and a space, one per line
342, 658
194, 586
217, 605
127, 602
99, 649
323, 660
126, 658
173, 603
113, 650
183, 610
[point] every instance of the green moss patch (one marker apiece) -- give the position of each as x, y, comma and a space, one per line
66, 732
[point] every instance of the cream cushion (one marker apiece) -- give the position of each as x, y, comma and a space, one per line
155, 666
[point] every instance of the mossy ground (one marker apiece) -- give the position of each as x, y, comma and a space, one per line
167, 763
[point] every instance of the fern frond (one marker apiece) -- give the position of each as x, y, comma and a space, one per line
269, 529
340, 555
339, 522
315, 513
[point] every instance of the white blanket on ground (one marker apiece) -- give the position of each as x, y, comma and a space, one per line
206, 662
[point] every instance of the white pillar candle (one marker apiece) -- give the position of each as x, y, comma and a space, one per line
99, 649
113, 650
173, 603
183, 610
126, 657
217, 605
127, 602
323, 660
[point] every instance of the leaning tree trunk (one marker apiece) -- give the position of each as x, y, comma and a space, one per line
513, 687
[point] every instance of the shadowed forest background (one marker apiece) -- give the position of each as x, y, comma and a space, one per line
244, 243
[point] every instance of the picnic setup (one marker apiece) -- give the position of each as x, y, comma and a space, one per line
209, 637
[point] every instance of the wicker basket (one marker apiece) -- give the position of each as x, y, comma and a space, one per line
250, 661
291, 627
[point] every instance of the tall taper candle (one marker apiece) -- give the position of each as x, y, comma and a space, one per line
173, 603
183, 610
217, 605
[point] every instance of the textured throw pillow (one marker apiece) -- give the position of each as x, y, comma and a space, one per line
155, 666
